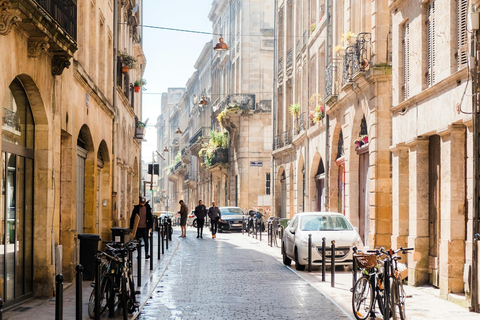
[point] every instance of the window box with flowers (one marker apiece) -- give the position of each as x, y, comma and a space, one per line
140, 130
128, 61
318, 114
361, 140
138, 84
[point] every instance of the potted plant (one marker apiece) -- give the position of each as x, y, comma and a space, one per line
138, 84
319, 114
294, 109
349, 37
312, 27
365, 139
358, 142
128, 61
339, 50
140, 129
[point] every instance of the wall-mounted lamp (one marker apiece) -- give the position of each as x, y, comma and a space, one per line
165, 150
203, 101
178, 131
221, 46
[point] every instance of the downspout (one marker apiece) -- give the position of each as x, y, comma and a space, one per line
273, 180
114, 102
327, 121
306, 167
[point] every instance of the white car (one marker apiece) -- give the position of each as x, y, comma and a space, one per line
332, 226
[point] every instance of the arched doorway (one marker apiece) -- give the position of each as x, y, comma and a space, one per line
283, 204
320, 187
16, 231
363, 182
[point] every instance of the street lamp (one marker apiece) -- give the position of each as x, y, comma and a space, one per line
221, 46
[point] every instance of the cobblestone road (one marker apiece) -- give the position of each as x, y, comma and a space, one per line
227, 278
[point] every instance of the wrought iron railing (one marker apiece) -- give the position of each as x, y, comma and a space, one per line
287, 137
221, 156
305, 37
184, 152
357, 57
289, 64
298, 47
299, 123
203, 132
244, 101
280, 70
178, 165
332, 79
186, 176
278, 141
64, 12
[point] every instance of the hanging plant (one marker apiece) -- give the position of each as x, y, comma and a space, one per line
217, 140
319, 114
294, 109
128, 61
138, 84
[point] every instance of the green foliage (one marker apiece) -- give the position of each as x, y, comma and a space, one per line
227, 110
127, 60
294, 109
140, 83
178, 157
217, 140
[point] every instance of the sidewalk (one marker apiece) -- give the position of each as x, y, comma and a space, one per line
421, 303
44, 309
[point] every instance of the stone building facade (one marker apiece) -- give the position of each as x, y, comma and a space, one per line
60, 134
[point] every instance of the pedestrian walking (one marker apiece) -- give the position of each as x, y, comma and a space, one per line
144, 211
183, 218
215, 216
200, 213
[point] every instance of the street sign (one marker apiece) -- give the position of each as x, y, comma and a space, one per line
256, 164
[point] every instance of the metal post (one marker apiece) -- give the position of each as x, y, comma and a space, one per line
166, 234
78, 293
59, 297
243, 225
255, 227
324, 245
170, 231
98, 275
151, 250
163, 235
139, 264
332, 264
354, 268
1, 309
261, 229
269, 234
386, 283
159, 235
310, 253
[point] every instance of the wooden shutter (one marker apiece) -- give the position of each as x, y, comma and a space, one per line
431, 43
462, 8
406, 60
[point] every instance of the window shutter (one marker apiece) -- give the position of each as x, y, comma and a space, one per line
462, 6
406, 60
431, 43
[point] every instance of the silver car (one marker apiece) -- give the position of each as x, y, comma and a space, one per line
332, 226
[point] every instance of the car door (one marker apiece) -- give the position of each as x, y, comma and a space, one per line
290, 236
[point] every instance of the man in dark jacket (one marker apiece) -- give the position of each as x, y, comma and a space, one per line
200, 213
183, 218
215, 215
144, 211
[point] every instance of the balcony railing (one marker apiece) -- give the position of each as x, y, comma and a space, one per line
221, 156
357, 57
280, 70
244, 101
278, 141
332, 79
289, 62
287, 137
299, 123
202, 132
64, 12
178, 165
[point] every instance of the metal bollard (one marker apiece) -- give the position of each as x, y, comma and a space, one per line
163, 244
332, 264
354, 268
324, 247
151, 251
261, 229
166, 234
243, 227
269, 234
310, 253
59, 297
1, 309
139, 264
98, 275
170, 230
255, 227
78, 292
158, 244
386, 283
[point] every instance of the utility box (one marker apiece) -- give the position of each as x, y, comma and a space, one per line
88, 254
120, 234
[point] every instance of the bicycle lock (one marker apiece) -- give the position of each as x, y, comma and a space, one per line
332, 264
324, 245
310, 252
78, 292
59, 297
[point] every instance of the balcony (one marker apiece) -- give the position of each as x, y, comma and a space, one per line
289, 63
201, 136
332, 81
243, 101
299, 124
221, 156
357, 57
50, 25
287, 137
185, 155
278, 141
280, 70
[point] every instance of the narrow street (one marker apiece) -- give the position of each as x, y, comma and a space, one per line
231, 277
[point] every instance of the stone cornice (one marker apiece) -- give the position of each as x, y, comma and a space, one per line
286, 150
299, 138
450, 81
416, 141
395, 4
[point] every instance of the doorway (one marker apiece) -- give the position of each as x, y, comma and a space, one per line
434, 201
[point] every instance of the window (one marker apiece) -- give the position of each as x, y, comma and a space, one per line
431, 43
406, 60
267, 183
462, 33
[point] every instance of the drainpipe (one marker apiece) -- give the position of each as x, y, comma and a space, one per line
114, 102
476, 173
327, 120
274, 91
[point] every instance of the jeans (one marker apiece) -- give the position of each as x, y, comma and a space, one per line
200, 223
143, 233
214, 223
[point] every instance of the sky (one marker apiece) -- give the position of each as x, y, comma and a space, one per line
170, 55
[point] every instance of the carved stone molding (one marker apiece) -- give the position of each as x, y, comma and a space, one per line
36, 46
8, 17
59, 63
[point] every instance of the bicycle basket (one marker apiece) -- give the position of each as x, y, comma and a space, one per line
366, 261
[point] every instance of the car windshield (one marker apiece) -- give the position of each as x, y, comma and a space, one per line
324, 223
231, 211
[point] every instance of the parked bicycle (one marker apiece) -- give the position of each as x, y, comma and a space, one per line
116, 284
370, 287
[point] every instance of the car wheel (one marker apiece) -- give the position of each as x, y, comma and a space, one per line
194, 223
298, 266
286, 260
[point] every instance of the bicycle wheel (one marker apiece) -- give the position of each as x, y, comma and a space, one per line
398, 300
362, 298
104, 296
132, 301
124, 297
